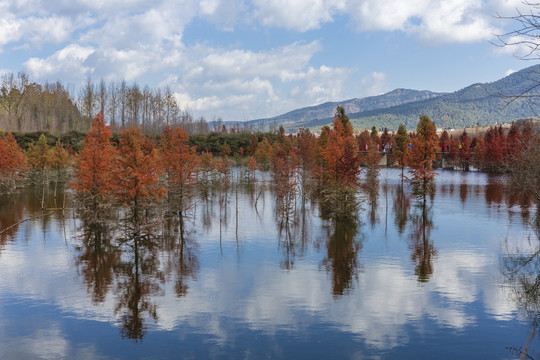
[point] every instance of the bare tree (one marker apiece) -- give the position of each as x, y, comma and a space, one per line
12, 92
114, 100
102, 96
525, 38
88, 100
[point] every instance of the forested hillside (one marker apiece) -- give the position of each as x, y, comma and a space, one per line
325, 112
484, 104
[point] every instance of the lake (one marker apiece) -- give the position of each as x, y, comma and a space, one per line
456, 280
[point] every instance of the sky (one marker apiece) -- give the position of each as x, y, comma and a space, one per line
240, 60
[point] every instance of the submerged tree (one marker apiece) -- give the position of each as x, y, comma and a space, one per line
401, 148
421, 157
137, 171
38, 160
93, 169
340, 166
180, 163
12, 162
58, 161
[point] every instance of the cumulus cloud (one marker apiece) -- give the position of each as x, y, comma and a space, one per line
301, 15
68, 64
144, 42
374, 84
434, 21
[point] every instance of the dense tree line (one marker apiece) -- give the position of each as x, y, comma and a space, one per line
26, 106
136, 169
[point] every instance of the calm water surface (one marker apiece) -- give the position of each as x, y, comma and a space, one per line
454, 282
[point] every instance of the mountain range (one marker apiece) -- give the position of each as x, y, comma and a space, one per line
477, 104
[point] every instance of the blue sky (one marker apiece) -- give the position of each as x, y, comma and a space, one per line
241, 60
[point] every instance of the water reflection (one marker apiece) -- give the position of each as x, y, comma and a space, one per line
11, 214
402, 204
422, 247
181, 254
139, 279
342, 247
373, 295
521, 269
98, 256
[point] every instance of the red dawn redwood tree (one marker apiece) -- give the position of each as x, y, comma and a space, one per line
12, 161
180, 162
93, 167
137, 171
421, 157
465, 150
341, 166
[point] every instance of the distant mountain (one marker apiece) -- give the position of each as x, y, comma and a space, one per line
477, 104
325, 111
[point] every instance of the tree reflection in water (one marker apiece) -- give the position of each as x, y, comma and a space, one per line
294, 235
11, 214
181, 257
402, 204
371, 188
139, 278
98, 255
127, 262
422, 248
521, 269
341, 259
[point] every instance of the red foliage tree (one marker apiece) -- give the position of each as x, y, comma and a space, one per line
513, 143
180, 163
93, 179
422, 155
465, 149
341, 157
137, 172
12, 161
494, 149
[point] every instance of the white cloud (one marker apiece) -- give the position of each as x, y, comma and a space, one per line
144, 42
301, 15
374, 84
434, 21
68, 64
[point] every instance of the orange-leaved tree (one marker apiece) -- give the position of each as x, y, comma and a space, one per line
12, 161
422, 155
180, 163
340, 166
340, 155
92, 172
137, 171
